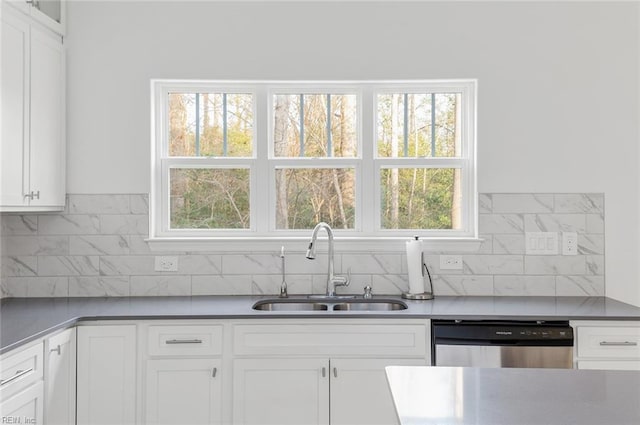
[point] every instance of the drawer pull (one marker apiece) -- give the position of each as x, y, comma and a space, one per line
618, 343
18, 374
183, 341
55, 350
214, 372
335, 372
324, 372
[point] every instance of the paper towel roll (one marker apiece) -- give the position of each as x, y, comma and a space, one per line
414, 266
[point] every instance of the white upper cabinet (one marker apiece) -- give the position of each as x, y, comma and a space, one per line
32, 144
50, 13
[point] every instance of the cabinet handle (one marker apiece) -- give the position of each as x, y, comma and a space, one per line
324, 372
618, 343
214, 372
56, 350
183, 341
335, 372
18, 374
33, 195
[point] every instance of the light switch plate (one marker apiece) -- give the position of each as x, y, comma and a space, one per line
541, 243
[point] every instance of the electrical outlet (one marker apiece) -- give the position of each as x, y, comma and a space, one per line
451, 262
166, 264
569, 243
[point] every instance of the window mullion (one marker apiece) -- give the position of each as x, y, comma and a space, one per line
366, 217
262, 180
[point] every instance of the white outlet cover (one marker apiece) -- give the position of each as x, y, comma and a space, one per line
569, 243
451, 262
166, 264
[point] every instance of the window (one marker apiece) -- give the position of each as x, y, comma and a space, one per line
382, 159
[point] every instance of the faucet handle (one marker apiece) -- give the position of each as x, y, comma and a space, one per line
342, 280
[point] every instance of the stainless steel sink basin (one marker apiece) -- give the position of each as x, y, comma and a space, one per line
289, 305
342, 303
370, 305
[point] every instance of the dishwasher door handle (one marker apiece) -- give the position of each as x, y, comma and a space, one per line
618, 343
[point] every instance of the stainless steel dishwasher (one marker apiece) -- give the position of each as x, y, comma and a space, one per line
533, 344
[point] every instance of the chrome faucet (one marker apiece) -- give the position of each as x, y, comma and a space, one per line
283, 285
333, 280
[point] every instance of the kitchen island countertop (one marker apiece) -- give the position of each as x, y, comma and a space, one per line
475, 396
26, 319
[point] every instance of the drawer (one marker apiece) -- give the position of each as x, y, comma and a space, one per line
332, 339
20, 369
609, 364
608, 342
185, 340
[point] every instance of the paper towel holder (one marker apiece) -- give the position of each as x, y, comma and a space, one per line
424, 295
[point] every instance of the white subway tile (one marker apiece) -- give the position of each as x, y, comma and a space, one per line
591, 244
595, 223
98, 204
592, 286
81, 224
524, 285
590, 203
200, 264
35, 245
390, 284
221, 285
509, 244
492, 264
19, 224
501, 223
69, 265
462, 285
485, 203
554, 265
99, 245
595, 264
555, 223
522, 203
160, 285
35, 287
99, 286
139, 203
373, 263
130, 224
19, 266
249, 264
270, 284
127, 265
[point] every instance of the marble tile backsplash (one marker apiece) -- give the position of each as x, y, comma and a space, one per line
97, 248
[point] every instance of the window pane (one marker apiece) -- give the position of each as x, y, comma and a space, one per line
210, 124
405, 125
204, 198
421, 198
327, 126
306, 196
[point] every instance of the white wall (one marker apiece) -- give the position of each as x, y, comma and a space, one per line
558, 97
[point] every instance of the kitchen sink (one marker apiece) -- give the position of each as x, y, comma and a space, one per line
370, 305
328, 304
289, 305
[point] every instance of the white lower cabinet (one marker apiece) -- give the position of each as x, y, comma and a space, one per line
183, 391
106, 375
281, 391
60, 378
612, 345
321, 372
25, 407
360, 393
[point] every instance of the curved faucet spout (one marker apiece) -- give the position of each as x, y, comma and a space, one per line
332, 280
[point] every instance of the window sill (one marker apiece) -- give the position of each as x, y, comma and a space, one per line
342, 244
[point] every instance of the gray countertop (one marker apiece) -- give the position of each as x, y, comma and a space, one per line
474, 396
25, 319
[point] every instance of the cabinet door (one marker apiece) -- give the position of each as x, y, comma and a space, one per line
60, 379
106, 375
281, 391
360, 393
47, 148
609, 364
184, 391
24, 407
14, 74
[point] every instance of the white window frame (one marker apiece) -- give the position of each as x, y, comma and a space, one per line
262, 235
